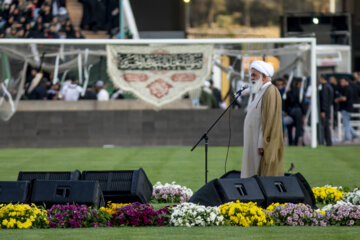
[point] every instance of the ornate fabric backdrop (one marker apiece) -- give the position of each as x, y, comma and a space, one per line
159, 74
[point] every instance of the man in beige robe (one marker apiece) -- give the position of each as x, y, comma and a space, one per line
263, 152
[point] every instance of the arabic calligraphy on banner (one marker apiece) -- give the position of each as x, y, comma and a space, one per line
161, 74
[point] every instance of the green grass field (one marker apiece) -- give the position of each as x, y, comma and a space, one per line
324, 165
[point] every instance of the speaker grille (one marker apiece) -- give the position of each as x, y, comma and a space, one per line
14, 192
29, 176
122, 186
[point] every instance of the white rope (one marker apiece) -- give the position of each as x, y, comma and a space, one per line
288, 84
11, 102
80, 68
86, 82
56, 70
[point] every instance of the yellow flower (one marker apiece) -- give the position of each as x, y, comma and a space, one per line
243, 214
327, 194
5, 222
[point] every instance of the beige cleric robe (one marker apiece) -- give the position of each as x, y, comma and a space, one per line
263, 129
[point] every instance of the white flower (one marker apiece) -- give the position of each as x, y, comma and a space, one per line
212, 216
195, 215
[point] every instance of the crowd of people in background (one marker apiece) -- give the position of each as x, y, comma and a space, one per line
335, 94
39, 87
36, 19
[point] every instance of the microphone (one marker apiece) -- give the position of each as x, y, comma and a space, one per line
244, 86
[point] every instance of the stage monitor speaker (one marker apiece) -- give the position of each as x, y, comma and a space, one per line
231, 174
220, 191
207, 195
75, 175
284, 189
50, 192
14, 192
242, 189
305, 187
263, 190
122, 186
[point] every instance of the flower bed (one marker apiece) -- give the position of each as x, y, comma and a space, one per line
244, 214
344, 215
77, 216
353, 196
344, 212
327, 194
171, 193
296, 215
189, 214
137, 214
22, 216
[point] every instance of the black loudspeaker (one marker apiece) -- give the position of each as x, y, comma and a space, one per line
220, 191
263, 190
14, 192
305, 187
50, 192
122, 186
281, 190
231, 174
243, 189
75, 175
207, 195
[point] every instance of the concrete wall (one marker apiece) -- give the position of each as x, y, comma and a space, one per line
119, 127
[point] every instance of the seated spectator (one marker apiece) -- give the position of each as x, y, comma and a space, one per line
45, 13
71, 91
6, 12
8, 33
217, 95
38, 22
27, 30
102, 94
206, 97
55, 22
16, 14
357, 77
68, 28
34, 18
90, 93
52, 32
10, 21
40, 91
53, 92
78, 35
20, 33
37, 32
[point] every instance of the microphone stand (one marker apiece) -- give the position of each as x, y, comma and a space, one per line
205, 135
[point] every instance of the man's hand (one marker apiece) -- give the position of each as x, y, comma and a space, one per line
322, 114
261, 151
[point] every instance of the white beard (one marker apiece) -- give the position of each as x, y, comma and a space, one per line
257, 85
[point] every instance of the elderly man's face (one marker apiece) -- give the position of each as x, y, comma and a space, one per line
255, 75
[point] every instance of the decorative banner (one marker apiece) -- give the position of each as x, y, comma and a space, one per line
159, 74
